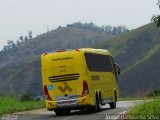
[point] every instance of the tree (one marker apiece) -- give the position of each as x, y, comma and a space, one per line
108, 29
21, 39
156, 18
30, 34
18, 43
10, 44
5, 48
25, 38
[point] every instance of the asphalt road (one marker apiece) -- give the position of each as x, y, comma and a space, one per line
105, 114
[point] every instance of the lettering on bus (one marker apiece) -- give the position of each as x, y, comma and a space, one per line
58, 59
65, 87
95, 77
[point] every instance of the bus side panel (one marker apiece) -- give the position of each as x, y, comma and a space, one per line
101, 80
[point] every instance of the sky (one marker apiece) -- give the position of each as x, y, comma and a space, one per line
17, 17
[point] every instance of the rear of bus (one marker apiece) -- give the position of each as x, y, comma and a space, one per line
64, 82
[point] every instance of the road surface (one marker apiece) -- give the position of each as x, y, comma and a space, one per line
105, 114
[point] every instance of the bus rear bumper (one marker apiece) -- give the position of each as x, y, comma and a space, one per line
76, 103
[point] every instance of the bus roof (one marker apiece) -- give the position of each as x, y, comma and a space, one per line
92, 50
88, 50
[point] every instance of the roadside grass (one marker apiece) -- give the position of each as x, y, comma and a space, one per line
135, 98
147, 107
9, 104
138, 98
130, 98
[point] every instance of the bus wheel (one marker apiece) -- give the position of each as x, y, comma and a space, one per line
62, 112
67, 112
97, 106
59, 112
115, 94
112, 105
100, 102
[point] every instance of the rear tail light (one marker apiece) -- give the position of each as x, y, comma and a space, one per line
85, 89
44, 54
77, 49
60, 50
47, 93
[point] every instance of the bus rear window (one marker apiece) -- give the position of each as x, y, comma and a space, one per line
99, 63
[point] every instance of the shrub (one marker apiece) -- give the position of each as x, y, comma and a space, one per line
26, 97
154, 93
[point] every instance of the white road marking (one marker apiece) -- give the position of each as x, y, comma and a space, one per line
69, 117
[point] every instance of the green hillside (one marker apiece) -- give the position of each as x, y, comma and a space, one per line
20, 68
23, 77
132, 45
60, 38
143, 77
138, 53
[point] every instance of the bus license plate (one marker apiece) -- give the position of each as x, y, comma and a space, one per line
67, 103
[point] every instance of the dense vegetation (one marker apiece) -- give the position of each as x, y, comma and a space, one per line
10, 104
156, 18
12, 46
154, 93
148, 110
104, 28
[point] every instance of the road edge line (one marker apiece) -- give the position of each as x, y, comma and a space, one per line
117, 117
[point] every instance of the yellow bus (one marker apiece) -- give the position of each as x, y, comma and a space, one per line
83, 78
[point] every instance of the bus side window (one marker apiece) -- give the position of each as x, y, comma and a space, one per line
99, 63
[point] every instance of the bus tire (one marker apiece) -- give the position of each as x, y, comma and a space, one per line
96, 107
115, 94
60, 112
112, 105
100, 102
67, 112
